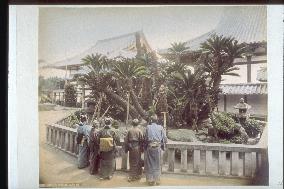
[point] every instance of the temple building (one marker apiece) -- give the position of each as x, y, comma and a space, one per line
246, 24
128, 45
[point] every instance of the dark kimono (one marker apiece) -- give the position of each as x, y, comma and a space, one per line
134, 144
94, 157
155, 140
107, 159
82, 141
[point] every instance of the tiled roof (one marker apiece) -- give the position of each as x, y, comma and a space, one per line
244, 89
245, 24
124, 45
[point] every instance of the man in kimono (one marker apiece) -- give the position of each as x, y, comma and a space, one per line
134, 144
82, 141
155, 141
94, 148
108, 139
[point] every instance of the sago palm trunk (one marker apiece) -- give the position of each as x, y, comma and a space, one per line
119, 100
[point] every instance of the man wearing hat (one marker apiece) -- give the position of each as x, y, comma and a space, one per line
134, 144
155, 141
107, 139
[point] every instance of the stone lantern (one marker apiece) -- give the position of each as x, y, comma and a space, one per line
243, 110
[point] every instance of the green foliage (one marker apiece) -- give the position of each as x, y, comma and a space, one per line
252, 127
218, 56
224, 125
70, 95
72, 120
238, 139
50, 84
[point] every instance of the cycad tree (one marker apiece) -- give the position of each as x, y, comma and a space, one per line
220, 53
177, 49
128, 70
101, 80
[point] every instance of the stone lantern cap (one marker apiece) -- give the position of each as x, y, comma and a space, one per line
242, 107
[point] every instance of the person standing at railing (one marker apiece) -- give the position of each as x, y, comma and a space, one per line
82, 141
94, 148
134, 144
155, 141
108, 139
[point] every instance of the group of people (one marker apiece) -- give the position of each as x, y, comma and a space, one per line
97, 149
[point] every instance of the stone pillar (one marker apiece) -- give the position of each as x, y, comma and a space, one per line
183, 160
222, 163
71, 147
62, 142
208, 162
253, 163
234, 163
67, 138
196, 161
55, 136
58, 138
247, 165
171, 159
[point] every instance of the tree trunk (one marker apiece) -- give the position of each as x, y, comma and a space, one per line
216, 85
134, 98
119, 100
137, 105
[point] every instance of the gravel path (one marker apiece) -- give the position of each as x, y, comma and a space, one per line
58, 169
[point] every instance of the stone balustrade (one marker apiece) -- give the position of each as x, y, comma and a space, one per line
214, 159
182, 157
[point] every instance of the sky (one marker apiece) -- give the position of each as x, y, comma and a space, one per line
64, 32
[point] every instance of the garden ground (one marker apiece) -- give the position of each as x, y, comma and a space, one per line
59, 169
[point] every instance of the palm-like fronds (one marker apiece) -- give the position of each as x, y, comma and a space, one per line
178, 47
97, 63
128, 69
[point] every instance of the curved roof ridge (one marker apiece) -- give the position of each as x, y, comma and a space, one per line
118, 37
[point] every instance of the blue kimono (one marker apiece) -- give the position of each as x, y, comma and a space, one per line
155, 141
83, 131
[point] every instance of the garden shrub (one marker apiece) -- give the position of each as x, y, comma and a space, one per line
70, 95
252, 127
238, 139
224, 125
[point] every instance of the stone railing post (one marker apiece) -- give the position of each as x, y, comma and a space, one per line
208, 162
171, 159
67, 139
247, 164
253, 163
62, 139
221, 163
71, 147
234, 163
58, 138
55, 136
196, 161
183, 160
